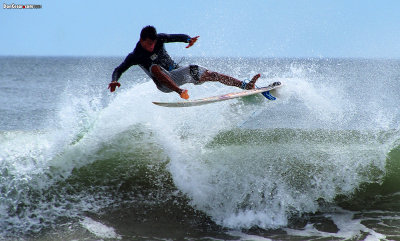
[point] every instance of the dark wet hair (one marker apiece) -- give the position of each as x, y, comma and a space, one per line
148, 32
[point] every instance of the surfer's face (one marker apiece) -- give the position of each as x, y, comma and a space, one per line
148, 44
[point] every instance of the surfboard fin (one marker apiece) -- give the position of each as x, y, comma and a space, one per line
268, 95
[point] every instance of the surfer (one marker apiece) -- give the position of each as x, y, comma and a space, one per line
151, 56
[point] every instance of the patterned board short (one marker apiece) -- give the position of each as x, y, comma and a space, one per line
183, 75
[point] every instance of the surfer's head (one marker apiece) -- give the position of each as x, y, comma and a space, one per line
148, 38
148, 32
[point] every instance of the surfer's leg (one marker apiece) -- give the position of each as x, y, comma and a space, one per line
228, 80
164, 79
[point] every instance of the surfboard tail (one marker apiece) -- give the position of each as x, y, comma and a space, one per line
267, 94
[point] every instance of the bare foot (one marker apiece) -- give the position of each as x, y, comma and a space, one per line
252, 83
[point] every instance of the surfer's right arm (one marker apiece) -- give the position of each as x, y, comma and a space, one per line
128, 62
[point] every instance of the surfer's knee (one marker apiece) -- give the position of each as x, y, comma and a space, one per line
155, 69
158, 72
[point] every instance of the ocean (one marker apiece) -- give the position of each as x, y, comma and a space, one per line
322, 162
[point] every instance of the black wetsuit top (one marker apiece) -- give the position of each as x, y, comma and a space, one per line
146, 59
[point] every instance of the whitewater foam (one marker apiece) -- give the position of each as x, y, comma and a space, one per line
99, 229
319, 140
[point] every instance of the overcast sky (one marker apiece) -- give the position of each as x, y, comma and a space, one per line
255, 28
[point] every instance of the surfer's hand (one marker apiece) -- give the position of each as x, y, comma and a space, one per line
192, 41
113, 85
184, 94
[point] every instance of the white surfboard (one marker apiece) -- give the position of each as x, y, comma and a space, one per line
218, 98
